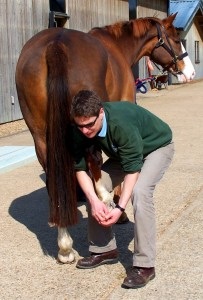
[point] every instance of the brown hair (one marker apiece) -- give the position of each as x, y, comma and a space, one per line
86, 103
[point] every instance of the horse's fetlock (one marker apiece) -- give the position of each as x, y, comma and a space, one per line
107, 198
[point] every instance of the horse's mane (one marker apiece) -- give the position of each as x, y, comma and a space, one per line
138, 27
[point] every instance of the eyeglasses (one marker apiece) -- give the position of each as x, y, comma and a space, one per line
89, 125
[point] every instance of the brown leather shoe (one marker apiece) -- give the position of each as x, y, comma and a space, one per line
99, 259
138, 277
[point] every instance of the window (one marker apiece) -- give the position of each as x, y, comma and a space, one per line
197, 61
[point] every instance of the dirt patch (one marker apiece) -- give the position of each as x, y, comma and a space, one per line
12, 128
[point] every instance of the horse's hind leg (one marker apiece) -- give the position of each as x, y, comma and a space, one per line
65, 254
65, 242
40, 148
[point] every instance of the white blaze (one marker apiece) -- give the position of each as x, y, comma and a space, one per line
188, 72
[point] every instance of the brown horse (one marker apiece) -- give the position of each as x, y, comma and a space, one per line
57, 63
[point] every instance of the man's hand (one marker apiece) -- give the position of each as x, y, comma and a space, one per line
99, 210
111, 218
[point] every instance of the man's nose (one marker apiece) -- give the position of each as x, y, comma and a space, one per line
85, 130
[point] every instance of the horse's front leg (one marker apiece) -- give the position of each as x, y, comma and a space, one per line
94, 160
65, 243
103, 194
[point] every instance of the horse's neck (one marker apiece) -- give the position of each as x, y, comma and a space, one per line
137, 47
112, 44
132, 49
108, 41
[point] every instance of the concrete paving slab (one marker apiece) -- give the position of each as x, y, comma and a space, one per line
14, 156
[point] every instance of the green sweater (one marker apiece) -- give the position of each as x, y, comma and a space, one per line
132, 133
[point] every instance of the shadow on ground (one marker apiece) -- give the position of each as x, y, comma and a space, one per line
32, 210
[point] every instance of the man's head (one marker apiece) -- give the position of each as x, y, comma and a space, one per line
87, 112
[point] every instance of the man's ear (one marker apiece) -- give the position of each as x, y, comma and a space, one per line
101, 110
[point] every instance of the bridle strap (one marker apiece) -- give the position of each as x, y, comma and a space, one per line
161, 40
174, 61
169, 49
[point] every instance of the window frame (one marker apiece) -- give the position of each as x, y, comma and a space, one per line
197, 59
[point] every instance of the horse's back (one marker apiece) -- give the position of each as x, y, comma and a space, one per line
86, 61
81, 48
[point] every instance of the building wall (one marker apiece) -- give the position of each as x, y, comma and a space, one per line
152, 8
19, 20
87, 14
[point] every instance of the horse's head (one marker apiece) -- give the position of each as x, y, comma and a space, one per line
168, 51
151, 37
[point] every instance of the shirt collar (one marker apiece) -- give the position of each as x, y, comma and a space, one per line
102, 132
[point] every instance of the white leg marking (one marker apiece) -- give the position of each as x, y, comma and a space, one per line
65, 242
103, 194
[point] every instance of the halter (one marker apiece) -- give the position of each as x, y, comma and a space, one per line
169, 48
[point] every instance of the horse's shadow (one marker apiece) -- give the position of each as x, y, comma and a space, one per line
32, 211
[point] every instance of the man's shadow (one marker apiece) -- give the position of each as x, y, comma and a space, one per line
32, 211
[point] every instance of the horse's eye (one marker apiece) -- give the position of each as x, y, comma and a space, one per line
177, 42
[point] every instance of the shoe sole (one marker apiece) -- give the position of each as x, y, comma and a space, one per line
104, 262
126, 286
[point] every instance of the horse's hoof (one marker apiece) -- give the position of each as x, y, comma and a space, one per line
59, 262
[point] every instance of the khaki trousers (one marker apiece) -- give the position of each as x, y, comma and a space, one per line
102, 239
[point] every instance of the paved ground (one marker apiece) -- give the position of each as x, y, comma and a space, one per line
28, 246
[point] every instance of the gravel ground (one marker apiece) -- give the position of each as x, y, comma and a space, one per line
29, 247
12, 128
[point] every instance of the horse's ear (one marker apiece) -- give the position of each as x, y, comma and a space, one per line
169, 20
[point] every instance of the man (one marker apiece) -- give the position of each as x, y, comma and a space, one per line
140, 148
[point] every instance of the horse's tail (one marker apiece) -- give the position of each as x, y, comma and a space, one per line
60, 167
